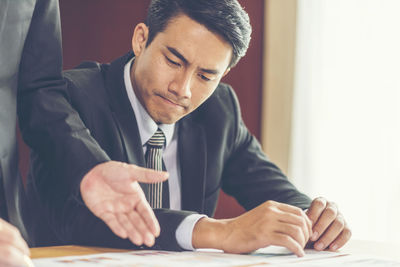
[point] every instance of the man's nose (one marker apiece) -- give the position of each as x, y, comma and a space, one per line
181, 86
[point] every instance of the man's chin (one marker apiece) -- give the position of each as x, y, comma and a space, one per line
167, 119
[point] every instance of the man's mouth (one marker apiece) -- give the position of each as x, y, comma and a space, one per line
172, 102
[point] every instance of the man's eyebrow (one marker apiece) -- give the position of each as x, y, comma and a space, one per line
178, 55
214, 72
185, 61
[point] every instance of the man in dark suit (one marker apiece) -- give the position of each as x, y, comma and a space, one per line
169, 89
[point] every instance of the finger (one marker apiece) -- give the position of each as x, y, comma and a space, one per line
28, 261
11, 256
316, 208
10, 235
314, 212
279, 239
145, 175
141, 226
328, 215
144, 210
299, 222
332, 232
342, 239
112, 222
288, 208
294, 210
309, 228
131, 229
298, 217
294, 231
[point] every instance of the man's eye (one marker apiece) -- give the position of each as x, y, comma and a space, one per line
204, 78
173, 62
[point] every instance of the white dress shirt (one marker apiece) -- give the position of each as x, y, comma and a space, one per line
147, 127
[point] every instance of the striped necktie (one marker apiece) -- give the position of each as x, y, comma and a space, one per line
157, 198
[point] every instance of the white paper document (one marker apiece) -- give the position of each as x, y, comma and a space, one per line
272, 256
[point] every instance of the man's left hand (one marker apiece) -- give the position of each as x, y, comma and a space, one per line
330, 230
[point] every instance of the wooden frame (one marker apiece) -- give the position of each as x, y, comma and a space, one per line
278, 79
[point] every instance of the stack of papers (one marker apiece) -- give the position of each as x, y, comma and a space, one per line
271, 256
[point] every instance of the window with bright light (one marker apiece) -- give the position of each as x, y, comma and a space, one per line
346, 117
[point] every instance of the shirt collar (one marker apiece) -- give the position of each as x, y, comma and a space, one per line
147, 126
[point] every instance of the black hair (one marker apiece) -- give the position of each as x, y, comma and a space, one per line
226, 18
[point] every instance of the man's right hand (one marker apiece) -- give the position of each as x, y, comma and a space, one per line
13, 249
112, 192
271, 223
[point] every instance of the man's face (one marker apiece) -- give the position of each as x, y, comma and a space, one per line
179, 70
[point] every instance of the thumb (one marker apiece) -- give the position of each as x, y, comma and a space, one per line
145, 175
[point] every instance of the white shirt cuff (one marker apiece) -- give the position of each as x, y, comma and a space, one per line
184, 232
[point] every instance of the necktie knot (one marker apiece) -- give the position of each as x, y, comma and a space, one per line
157, 140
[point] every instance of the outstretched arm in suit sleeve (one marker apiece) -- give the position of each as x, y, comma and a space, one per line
52, 127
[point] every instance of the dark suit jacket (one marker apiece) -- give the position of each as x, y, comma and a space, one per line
30, 56
215, 151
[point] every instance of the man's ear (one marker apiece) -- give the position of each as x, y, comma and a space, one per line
139, 38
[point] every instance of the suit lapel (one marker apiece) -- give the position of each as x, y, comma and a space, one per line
192, 156
123, 113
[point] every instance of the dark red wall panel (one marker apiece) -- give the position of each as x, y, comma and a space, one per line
99, 30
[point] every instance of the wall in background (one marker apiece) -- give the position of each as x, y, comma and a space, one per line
101, 30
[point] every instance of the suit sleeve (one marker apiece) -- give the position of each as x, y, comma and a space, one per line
250, 176
88, 230
48, 122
